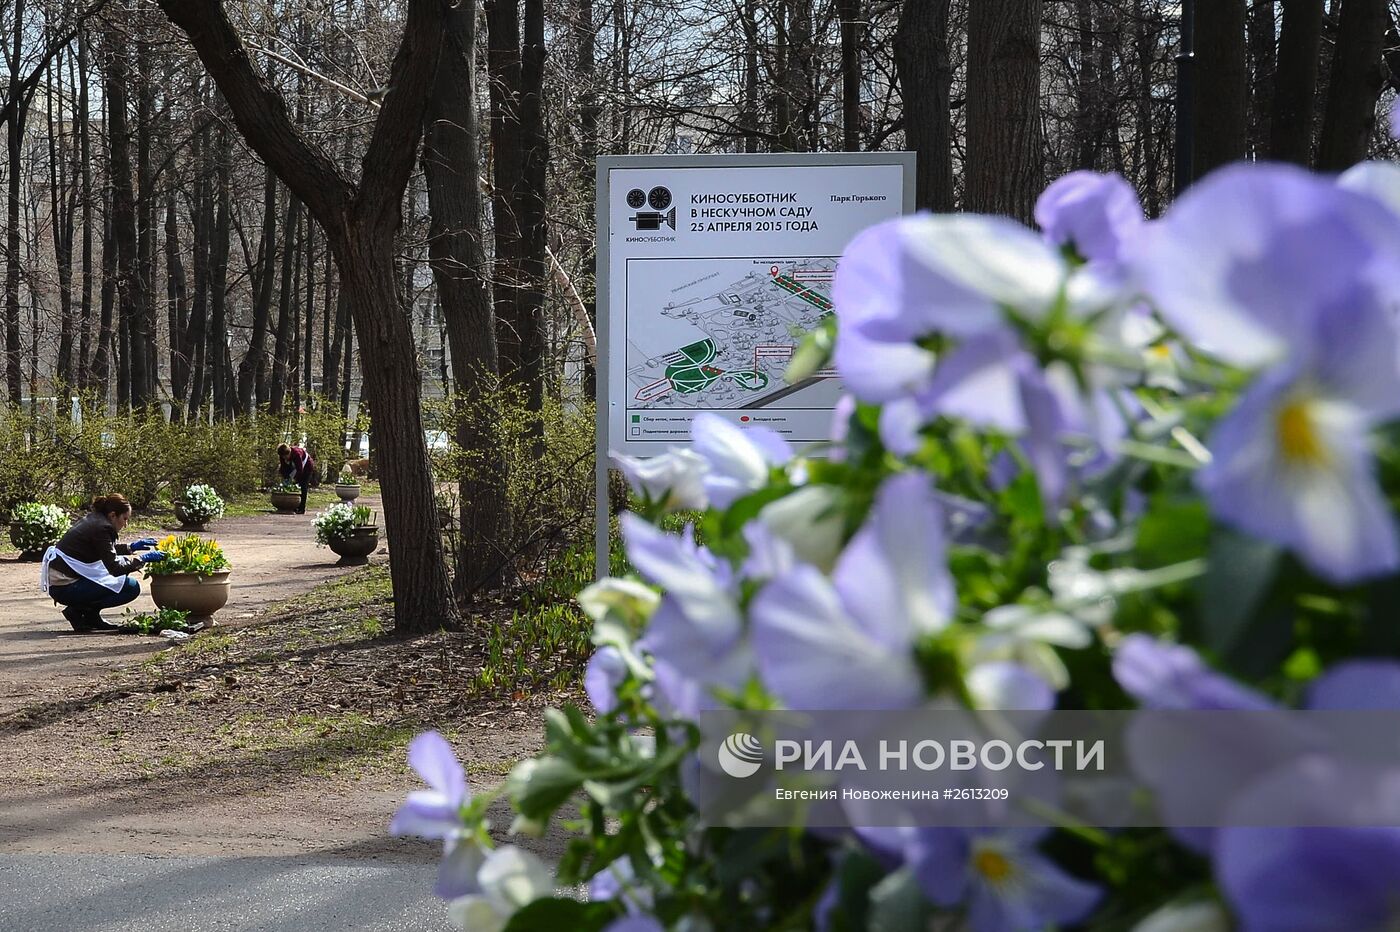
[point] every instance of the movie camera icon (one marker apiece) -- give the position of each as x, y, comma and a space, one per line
653, 219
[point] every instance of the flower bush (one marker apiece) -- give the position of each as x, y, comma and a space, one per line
203, 504
35, 527
188, 554
1106, 464
347, 477
339, 520
285, 487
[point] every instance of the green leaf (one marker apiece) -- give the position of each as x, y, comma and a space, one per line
897, 904
557, 913
1172, 531
1242, 570
539, 786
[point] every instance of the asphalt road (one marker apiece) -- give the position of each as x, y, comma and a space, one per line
131, 893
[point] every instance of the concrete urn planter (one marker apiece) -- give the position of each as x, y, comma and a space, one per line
286, 502
354, 549
347, 493
200, 594
186, 522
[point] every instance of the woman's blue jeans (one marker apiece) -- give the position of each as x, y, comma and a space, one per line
84, 593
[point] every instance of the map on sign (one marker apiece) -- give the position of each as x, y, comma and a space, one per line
719, 333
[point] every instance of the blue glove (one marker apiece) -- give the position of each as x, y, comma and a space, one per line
145, 543
155, 556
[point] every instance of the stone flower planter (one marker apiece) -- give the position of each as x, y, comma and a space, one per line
347, 493
188, 524
25, 556
199, 594
355, 549
286, 501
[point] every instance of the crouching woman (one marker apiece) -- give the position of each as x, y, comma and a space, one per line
88, 570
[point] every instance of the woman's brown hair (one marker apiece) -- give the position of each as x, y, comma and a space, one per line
114, 503
283, 450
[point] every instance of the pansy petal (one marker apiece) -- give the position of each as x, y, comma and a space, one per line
893, 576
1008, 687
812, 655
1170, 676
1357, 684
433, 758
978, 382
457, 874
1099, 214
1380, 180
879, 370
606, 670
426, 814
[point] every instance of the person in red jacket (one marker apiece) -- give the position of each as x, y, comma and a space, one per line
296, 465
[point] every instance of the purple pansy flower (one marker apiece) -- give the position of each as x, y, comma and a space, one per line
959, 276
1003, 880
846, 642
738, 459
606, 671
437, 813
1292, 463
1243, 261
696, 634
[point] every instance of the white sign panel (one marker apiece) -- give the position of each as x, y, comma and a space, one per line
713, 268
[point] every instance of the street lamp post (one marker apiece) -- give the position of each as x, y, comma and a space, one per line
1185, 96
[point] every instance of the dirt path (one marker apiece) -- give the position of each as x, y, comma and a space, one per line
262, 743
274, 558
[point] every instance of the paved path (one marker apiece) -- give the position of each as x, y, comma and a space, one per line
129, 893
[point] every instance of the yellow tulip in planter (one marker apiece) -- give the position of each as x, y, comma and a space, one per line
193, 577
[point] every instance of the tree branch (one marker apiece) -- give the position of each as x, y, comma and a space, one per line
393, 147
261, 113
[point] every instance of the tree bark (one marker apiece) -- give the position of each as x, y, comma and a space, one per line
85, 379
177, 306
530, 207
1262, 36
251, 371
1295, 85
850, 75
1222, 86
360, 223
131, 295
218, 354
926, 75
507, 157
750, 114
451, 164
1358, 74
282, 342
14, 358
1005, 163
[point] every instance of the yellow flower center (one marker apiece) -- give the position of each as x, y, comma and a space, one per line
1299, 439
992, 865
1160, 351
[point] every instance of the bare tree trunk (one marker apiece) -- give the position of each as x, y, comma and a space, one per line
1261, 34
62, 206
507, 163
1222, 87
750, 115
361, 223
1086, 87
282, 342
450, 164
177, 308
250, 372
850, 75
1358, 74
85, 378
145, 212
1005, 163
1295, 87
926, 75
218, 354
130, 286
14, 359
310, 313
530, 208
102, 359
588, 154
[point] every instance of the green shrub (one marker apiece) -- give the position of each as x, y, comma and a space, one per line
547, 459
144, 457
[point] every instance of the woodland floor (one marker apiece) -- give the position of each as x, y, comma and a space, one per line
281, 731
